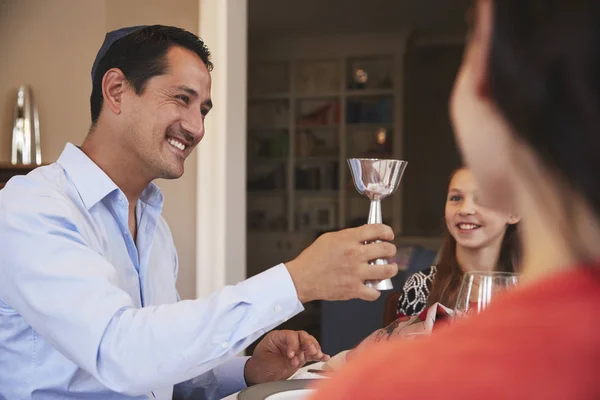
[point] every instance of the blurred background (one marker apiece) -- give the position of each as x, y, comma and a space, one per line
299, 87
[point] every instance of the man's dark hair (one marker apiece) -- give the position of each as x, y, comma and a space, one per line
141, 56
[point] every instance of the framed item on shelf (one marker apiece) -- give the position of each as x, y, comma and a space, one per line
270, 114
316, 213
324, 216
317, 76
369, 73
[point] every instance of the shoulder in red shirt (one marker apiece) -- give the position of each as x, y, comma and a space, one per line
539, 342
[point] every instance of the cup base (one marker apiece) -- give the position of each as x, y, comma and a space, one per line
385, 284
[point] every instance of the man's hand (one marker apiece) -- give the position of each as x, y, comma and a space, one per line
336, 265
280, 354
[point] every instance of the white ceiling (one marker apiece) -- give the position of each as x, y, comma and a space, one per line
293, 17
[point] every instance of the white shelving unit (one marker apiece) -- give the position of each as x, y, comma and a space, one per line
285, 213
310, 116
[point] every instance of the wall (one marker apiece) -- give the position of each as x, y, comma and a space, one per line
51, 46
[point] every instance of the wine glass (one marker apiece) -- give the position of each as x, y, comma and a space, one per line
478, 288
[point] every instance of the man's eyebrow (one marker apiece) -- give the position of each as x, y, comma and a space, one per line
188, 90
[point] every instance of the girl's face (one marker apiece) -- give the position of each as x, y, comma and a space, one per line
471, 224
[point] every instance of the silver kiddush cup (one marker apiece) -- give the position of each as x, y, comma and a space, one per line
376, 179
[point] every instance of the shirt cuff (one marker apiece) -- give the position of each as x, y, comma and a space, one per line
274, 293
230, 376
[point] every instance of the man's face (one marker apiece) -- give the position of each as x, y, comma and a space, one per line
166, 121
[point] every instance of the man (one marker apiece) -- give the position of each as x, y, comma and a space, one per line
88, 305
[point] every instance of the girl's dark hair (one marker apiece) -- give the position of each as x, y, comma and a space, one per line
544, 77
449, 274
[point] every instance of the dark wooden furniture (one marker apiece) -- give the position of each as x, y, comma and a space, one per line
8, 170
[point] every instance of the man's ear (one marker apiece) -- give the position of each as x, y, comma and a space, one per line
114, 85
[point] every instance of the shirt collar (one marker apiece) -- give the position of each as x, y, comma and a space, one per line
91, 181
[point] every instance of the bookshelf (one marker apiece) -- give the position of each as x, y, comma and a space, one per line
305, 118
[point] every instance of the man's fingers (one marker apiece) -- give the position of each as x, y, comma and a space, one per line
372, 232
312, 348
367, 293
378, 272
290, 342
374, 251
309, 344
302, 359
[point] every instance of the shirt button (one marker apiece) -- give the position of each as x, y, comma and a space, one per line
277, 308
225, 345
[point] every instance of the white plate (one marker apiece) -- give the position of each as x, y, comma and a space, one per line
296, 389
300, 394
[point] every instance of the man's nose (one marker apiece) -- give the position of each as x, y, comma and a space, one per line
194, 124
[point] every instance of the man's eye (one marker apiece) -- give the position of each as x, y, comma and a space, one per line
183, 98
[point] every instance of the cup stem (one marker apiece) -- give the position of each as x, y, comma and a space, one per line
375, 218
375, 212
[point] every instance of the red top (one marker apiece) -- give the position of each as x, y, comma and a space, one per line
539, 342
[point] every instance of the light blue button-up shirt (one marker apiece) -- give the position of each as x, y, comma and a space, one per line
87, 313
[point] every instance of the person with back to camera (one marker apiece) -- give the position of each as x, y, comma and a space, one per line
526, 114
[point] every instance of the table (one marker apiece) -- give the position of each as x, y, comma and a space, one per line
302, 373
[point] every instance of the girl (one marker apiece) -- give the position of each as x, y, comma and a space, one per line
477, 239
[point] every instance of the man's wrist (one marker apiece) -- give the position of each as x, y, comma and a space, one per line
295, 270
248, 373
230, 376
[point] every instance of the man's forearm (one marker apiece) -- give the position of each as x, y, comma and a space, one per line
179, 348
